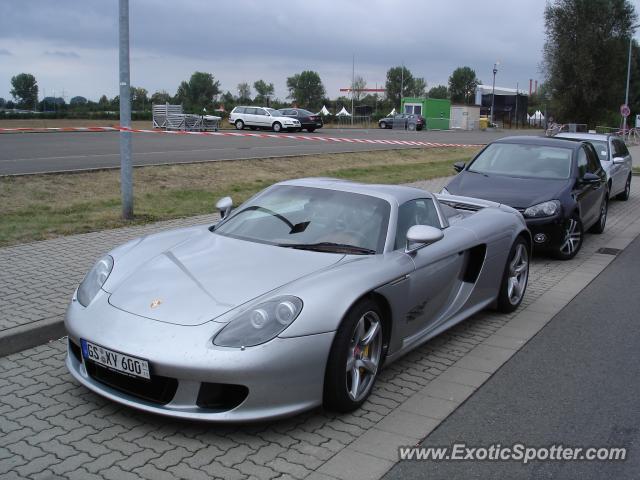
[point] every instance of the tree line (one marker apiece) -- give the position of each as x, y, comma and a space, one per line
202, 92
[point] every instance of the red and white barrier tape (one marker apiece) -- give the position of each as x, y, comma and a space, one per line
374, 141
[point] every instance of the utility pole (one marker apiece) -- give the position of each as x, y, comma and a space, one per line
353, 85
626, 95
493, 90
401, 86
126, 168
517, 93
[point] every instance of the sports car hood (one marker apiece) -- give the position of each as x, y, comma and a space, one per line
516, 192
208, 275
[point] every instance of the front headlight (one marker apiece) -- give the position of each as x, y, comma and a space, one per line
94, 279
545, 209
259, 324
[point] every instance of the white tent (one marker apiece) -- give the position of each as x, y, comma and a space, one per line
343, 113
324, 111
536, 118
392, 112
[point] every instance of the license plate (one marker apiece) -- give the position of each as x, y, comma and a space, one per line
132, 366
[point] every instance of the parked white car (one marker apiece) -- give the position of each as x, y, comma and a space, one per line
262, 117
615, 159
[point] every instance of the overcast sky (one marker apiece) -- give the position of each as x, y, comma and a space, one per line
71, 45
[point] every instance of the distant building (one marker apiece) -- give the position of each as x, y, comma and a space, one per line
510, 107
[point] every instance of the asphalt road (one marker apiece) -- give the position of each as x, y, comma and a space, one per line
576, 383
51, 152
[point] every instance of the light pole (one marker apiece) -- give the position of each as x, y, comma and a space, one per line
626, 95
493, 89
126, 168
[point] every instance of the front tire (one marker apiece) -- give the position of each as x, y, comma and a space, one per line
624, 196
311, 130
276, 127
515, 277
355, 358
572, 241
383, 125
239, 124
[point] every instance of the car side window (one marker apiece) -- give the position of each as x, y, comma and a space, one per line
250, 111
421, 211
582, 162
260, 111
619, 148
240, 110
593, 162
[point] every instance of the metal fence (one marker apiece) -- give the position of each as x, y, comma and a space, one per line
353, 121
172, 117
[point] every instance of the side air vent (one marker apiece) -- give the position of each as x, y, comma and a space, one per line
476, 256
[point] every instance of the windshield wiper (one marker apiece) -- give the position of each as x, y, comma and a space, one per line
330, 247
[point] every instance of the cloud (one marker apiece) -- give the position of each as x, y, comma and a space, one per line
242, 41
4, 51
61, 54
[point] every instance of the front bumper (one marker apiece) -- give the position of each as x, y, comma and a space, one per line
281, 377
548, 232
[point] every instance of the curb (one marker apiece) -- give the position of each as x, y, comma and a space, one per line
31, 335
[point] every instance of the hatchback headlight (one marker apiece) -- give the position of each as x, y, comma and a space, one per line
260, 323
545, 209
94, 280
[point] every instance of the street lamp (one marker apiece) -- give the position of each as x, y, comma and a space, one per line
626, 95
493, 89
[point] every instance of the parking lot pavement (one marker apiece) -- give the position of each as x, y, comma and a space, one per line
52, 427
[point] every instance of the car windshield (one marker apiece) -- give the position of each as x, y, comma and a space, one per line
521, 160
274, 112
304, 113
311, 219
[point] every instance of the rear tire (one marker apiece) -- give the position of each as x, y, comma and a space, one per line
572, 242
598, 227
515, 277
624, 196
311, 130
239, 124
253, 128
276, 127
355, 358
411, 127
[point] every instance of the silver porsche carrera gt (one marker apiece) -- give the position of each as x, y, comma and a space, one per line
293, 300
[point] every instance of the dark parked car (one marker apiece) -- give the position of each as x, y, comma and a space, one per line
558, 185
406, 121
309, 121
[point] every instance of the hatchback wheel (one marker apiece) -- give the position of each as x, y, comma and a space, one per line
383, 124
572, 239
627, 190
276, 127
602, 220
411, 127
239, 124
355, 358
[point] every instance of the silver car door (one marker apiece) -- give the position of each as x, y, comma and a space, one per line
622, 170
437, 275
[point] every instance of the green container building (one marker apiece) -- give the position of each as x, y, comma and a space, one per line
436, 111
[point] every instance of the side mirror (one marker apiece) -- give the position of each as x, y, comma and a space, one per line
590, 179
459, 166
224, 206
618, 160
420, 236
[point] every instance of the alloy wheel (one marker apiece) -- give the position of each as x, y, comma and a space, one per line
518, 275
572, 239
364, 355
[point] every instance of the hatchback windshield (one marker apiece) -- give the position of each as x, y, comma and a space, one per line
536, 161
274, 112
312, 219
